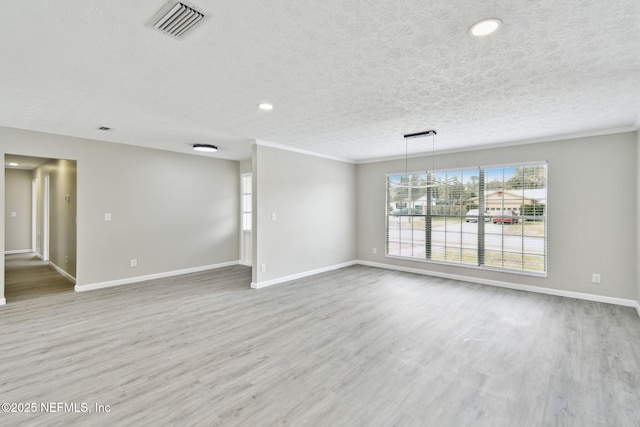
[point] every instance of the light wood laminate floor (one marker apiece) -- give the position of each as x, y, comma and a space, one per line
358, 346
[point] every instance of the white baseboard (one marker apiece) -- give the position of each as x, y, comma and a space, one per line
62, 272
130, 280
246, 264
516, 286
18, 251
638, 307
264, 284
3, 301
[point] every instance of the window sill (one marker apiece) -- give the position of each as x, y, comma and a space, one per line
472, 267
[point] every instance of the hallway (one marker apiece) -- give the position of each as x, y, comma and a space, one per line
27, 277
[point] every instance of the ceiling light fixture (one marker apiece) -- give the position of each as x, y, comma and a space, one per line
431, 181
266, 107
485, 27
206, 148
13, 164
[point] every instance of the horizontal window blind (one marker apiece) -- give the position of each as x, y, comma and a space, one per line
491, 217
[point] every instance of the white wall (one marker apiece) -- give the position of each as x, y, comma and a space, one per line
314, 202
18, 200
591, 224
171, 211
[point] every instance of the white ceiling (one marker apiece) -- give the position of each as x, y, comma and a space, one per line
347, 77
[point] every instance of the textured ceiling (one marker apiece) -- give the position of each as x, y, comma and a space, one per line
347, 78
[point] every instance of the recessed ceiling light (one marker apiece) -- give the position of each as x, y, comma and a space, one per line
485, 27
207, 148
13, 164
266, 107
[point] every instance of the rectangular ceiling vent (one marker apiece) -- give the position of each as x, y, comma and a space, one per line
180, 19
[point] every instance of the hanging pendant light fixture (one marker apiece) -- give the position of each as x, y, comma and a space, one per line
431, 182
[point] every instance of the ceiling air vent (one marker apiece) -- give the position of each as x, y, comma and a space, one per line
179, 20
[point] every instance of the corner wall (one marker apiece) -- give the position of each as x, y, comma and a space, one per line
313, 202
591, 205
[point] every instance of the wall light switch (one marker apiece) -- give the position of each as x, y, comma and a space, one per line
273, 216
134, 263
107, 217
14, 214
595, 278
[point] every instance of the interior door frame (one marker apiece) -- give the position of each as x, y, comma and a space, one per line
46, 210
34, 215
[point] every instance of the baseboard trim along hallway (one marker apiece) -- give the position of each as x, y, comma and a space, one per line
18, 251
62, 272
130, 280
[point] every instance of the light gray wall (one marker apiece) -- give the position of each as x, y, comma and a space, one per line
246, 166
171, 211
591, 211
18, 200
314, 202
62, 214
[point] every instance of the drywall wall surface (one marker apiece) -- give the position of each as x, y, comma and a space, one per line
591, 212
305, 213
17, 218
169, 211
245, 166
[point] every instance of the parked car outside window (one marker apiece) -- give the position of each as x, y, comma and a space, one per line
406, 211
504, 217
472, 216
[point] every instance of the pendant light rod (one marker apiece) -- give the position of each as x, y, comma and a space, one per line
420, 134
430, 183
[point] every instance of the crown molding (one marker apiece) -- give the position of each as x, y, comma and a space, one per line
301, 151
563, 137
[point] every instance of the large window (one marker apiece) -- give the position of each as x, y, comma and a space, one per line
491, 217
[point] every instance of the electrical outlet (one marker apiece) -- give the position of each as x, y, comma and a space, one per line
273, 216
134, 263
263, 268
374, 251
595, 278
107, 217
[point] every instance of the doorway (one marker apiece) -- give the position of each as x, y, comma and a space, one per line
40, 225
